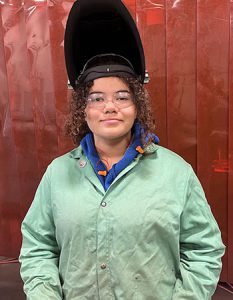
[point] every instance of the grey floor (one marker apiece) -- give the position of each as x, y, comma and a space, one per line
11, 287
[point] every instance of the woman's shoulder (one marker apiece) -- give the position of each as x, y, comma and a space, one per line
161, 153
166, 161
166, 165
67, 158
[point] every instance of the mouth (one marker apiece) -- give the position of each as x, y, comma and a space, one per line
110, 121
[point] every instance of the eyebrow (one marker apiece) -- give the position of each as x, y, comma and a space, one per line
120, 91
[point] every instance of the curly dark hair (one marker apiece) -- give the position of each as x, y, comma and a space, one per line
76, 126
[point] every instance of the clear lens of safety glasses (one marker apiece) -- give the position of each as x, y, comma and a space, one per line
120, 99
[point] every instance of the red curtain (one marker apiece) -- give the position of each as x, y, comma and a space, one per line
188, 47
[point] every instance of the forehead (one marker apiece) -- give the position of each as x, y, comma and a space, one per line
109, 85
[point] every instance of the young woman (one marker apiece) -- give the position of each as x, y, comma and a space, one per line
119, 217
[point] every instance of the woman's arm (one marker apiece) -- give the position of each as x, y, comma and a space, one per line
39, 253
201, 247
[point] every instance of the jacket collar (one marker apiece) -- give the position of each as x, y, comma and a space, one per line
151, 148
78, 152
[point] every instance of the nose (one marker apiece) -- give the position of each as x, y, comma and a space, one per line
110, 106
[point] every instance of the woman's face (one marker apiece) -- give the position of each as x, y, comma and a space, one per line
110, 110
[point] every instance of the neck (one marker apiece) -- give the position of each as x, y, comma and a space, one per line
111, 151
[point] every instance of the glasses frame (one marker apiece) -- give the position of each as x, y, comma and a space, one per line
114, 97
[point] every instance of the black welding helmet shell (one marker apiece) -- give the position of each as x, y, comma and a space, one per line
99, 27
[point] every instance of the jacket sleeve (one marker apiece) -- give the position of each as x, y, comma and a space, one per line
39, 253
201, 247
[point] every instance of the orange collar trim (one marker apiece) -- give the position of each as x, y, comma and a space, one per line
102, 173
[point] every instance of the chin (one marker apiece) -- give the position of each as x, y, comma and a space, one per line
116, 135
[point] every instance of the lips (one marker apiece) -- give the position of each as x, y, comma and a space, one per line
111, 121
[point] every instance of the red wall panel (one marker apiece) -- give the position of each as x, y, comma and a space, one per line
188, 47
151, 21
212, 106
181, 78
19, 185
230, 153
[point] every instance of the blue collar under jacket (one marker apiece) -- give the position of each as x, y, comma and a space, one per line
132, 151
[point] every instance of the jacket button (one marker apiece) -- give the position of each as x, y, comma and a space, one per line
103, 204
82, 163
103, 266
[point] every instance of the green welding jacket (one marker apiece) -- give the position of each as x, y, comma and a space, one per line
150, 236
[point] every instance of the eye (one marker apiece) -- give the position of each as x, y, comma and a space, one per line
94, 98
123, 97
98, 99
